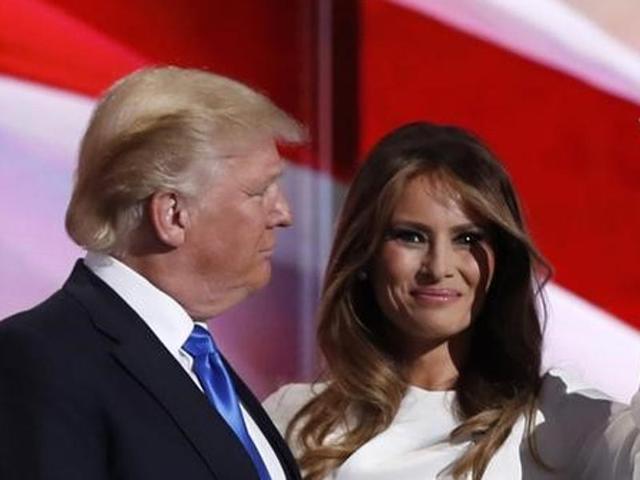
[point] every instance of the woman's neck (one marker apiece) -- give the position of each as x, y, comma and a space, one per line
436, 367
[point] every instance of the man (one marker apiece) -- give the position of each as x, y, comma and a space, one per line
115, 376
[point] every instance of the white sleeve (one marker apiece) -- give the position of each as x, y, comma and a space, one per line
592, 436
284, 403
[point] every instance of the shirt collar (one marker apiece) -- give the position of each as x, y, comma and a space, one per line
162, 314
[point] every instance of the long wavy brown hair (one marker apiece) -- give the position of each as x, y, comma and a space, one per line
500, 380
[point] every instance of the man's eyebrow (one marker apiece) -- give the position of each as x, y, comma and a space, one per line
276, 176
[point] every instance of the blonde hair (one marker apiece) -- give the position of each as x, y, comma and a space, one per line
500, 380
148, 132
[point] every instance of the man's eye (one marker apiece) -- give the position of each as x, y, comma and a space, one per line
261, 192
408, 236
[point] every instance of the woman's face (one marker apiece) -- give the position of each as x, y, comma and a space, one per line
434, 266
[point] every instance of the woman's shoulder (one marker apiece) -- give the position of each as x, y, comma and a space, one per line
284, 403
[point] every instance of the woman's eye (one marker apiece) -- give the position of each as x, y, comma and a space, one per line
408, 236
470, 238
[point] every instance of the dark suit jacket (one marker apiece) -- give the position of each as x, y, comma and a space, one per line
87, 392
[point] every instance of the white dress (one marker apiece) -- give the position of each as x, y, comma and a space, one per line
579, 431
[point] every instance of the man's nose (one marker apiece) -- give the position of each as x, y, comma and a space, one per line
281, 215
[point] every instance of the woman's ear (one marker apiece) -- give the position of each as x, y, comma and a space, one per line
169, 218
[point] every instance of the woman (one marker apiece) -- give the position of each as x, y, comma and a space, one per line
431, 334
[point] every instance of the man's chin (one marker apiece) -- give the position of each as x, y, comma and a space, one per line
262, 276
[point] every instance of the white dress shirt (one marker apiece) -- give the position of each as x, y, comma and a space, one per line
172, 325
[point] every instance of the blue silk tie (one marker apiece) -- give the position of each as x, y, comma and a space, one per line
218, 387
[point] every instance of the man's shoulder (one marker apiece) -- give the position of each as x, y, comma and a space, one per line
58, 328
60, 304
44, 316
46, 351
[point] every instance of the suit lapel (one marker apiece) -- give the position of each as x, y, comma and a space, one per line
144, 357
266, 425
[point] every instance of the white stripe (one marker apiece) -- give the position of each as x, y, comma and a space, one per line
586, 340
549, 32
47, 115
39, 131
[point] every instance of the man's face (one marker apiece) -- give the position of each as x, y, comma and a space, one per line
232, 230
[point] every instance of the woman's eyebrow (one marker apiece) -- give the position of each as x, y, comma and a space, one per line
462, 227
410, 224
465, 227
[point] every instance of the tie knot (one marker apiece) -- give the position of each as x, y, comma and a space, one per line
200, 342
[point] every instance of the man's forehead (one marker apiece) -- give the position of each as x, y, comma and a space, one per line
257, 160
241, 145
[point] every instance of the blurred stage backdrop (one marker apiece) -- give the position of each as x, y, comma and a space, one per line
552, 85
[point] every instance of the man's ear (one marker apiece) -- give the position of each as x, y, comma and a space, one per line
169, 217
